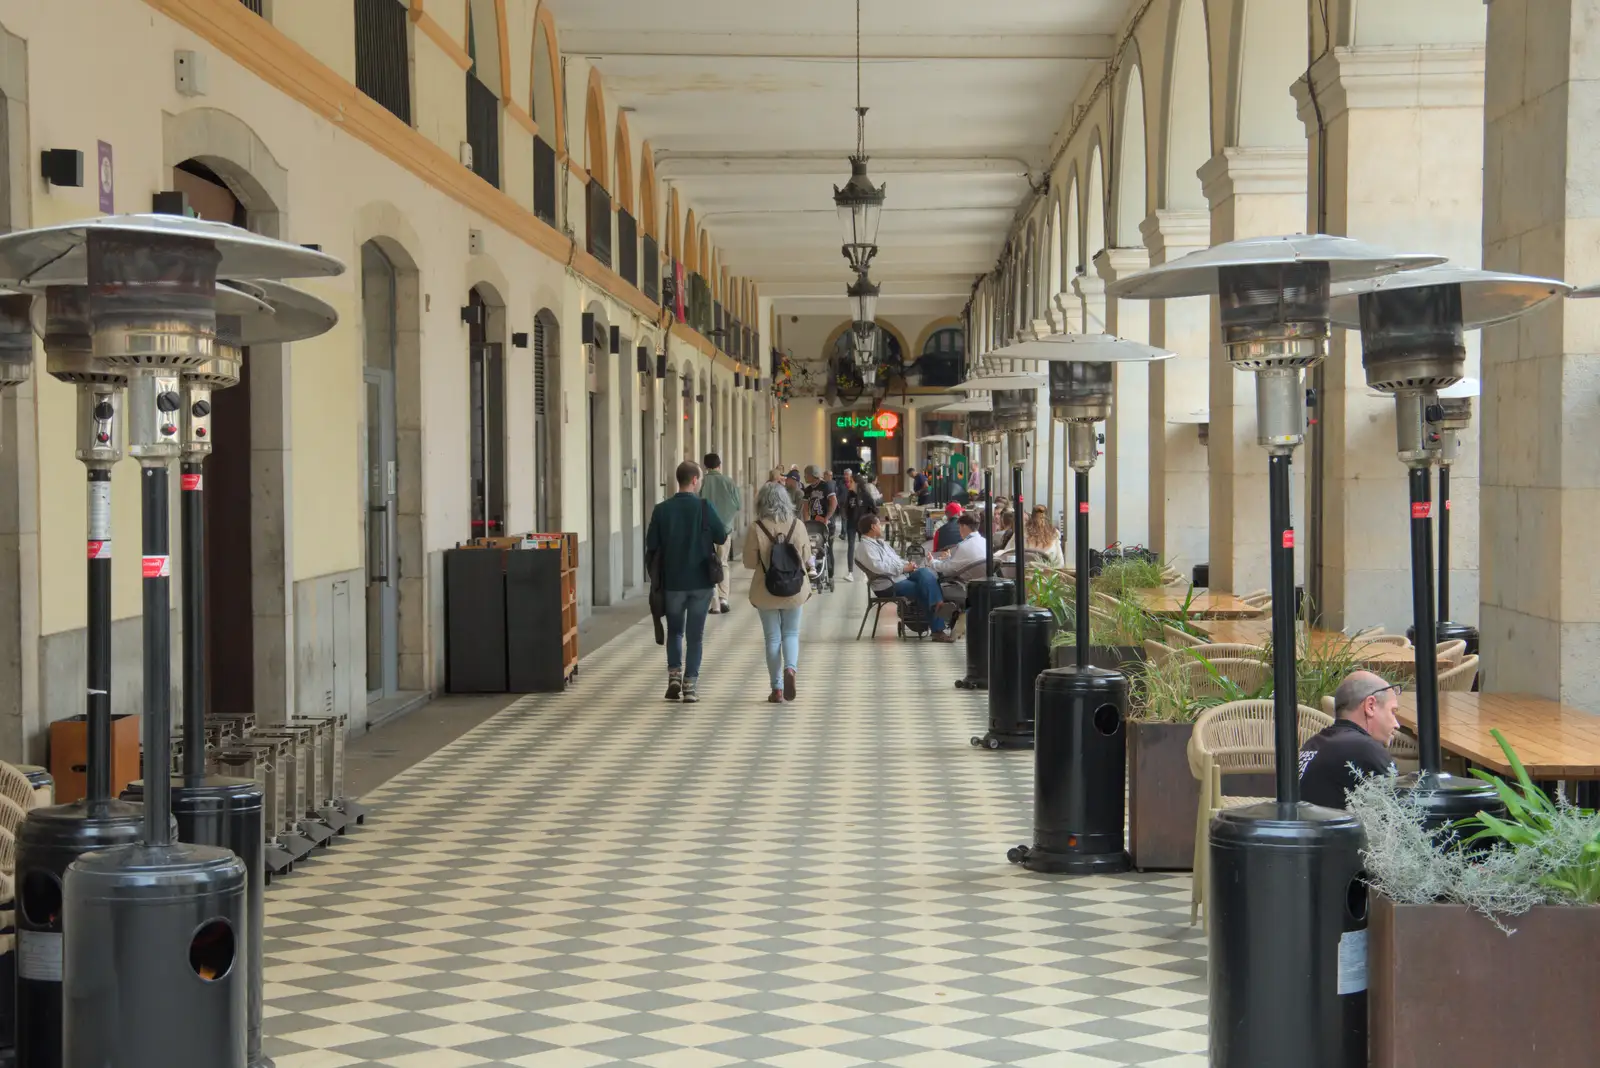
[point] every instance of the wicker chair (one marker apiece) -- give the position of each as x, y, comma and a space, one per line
1156, 652
1382, 639
1178, 639
1238, 650
1451, 652
1232, 739
1459, 679
16, 787
1257, 597
1247, 675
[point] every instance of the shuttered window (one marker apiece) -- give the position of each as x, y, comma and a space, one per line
627, 248
650, 282
383, 68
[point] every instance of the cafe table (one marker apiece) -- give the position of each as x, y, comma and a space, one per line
1169, 601
1376, 656
1553, 741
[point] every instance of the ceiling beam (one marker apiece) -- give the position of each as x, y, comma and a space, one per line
672, 165
611, 43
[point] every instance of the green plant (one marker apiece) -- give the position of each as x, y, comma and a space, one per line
1166, 690
1323, 659
1128, 573
1569, 837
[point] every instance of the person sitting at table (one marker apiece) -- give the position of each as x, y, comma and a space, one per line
970, 550
1355, 745
885, 569
948, 535
1039, 536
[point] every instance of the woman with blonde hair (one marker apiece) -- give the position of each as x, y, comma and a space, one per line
776, 523
1041, 536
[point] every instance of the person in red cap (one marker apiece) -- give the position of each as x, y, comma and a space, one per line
948, 535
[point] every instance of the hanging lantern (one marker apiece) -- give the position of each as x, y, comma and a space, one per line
863, 294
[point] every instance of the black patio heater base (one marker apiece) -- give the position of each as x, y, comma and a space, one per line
1445, 799
1446, 631
1288, 943
983, 597
1080, 774
1019, 649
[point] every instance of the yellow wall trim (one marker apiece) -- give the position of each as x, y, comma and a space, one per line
522, 118
425, 22
270, 55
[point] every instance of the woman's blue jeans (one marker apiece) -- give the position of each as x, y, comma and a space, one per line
781, 626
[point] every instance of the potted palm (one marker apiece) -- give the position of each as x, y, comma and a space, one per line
1482, 937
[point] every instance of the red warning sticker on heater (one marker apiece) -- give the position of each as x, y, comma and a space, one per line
158, 567
1447, 504
100, 550
192, 482
1421, 509
1288, 538
1083, 506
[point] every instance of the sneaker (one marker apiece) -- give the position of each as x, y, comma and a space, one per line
849, 576
944, 637
788, 684
690, 694
674, 687
726, 608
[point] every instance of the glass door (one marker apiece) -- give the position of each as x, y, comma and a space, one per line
383, 559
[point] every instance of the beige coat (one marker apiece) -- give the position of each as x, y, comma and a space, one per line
758, 557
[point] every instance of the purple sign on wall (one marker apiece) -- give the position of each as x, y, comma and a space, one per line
106, 201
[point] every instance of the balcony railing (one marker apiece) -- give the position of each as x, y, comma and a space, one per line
598, 216
650, 274
383, 69
544, 181
627, 248
483, 129
253, 5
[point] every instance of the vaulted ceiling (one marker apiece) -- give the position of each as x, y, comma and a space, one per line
748, 105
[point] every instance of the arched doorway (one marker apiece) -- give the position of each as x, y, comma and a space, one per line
486, 400
605, 576
547, 421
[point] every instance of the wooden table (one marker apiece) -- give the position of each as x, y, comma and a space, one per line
1169, 602
1552, 740
1377, 656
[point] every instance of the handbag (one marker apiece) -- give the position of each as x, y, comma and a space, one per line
711, 546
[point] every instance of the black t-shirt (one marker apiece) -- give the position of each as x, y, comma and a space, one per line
947, 536
816, 497
1326, 759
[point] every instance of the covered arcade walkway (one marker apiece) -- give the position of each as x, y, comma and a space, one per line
600, 878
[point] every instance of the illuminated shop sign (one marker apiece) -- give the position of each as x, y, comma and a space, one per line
877, 425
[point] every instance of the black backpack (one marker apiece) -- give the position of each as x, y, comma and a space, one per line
785, 576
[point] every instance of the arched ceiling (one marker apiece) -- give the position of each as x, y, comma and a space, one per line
748, 105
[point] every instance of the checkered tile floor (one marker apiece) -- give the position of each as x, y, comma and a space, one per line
601, 878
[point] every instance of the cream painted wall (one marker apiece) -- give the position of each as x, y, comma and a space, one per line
325, 28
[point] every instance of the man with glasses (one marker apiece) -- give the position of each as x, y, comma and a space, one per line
1356, 745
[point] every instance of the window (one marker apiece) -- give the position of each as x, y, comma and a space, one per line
942, 356
383, 68
253, 5
487, 452
598, 203
483, 104
627, 248
650, 282
544, 181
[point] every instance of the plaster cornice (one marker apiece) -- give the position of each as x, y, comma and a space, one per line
1350, 79
1114, 263
1253, 172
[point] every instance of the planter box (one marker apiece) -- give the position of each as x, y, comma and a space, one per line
1447, 987
1163, 796
1123, 658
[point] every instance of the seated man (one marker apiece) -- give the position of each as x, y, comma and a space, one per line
949, 533
1356, 744
886, 570
969, 551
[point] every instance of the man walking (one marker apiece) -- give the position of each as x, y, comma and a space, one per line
682, 539
719, 491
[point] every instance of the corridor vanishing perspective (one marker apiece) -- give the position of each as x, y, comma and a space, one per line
602, 878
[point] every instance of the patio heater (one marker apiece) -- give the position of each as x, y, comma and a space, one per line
1291, 991
217, 810
1019, 633
153, 930
1412, 347
993, 590
1456, 402
1080, 740
51, 838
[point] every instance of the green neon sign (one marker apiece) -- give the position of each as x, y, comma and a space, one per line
853, 422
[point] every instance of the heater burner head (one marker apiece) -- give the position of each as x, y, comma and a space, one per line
1201, 273
1081, 392
152, 299
1015, 409
69, 343
1081, 348
16, 339
1486, 297
58, 254
981, 428
1411, 338
1457, 412
219, 372
1274, 314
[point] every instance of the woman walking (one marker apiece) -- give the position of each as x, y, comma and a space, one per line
777, 525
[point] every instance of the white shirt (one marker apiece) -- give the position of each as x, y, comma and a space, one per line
971, 550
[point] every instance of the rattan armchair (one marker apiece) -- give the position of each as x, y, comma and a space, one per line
1233, 739
1239, 650
1249, 676
1382, 639
1459, 679
1178, 639
1451, 652
1157, 652
16, 787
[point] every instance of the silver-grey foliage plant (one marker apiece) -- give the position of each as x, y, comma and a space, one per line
1414, 866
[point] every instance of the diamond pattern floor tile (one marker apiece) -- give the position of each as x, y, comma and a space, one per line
600, 878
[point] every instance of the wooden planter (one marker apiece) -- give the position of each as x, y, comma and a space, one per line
1447, 987
1163, 796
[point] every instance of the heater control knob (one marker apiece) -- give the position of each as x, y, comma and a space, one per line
202, 408
1434, 413
168, 429
104, 411
103, 438
167, 401
199, 431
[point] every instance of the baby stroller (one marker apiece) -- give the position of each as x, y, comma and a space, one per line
821, 562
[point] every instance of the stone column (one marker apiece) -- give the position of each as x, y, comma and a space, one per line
1128, 429
1404, 129
1180, 388
1091, 290
1253, 192
1540, 476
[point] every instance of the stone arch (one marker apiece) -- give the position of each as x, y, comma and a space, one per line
1185, 137
548, 96
1129, 185
486, 38
1053, 251
648, 196
690, 252
594, 127
623, 158
707, 264
1094, 203
231, 148
1260, 110
1072, 224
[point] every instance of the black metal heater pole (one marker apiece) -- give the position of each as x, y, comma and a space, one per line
98, 705
1426, 625
988, 530
156, 547
1285, 707
1081, 586
192, 510
1444, 542
1016, 535
983, 596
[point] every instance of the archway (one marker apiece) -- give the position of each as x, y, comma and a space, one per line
486, 410
1188, 120
547, 421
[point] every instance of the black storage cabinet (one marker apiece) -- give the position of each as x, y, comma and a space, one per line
504, 629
